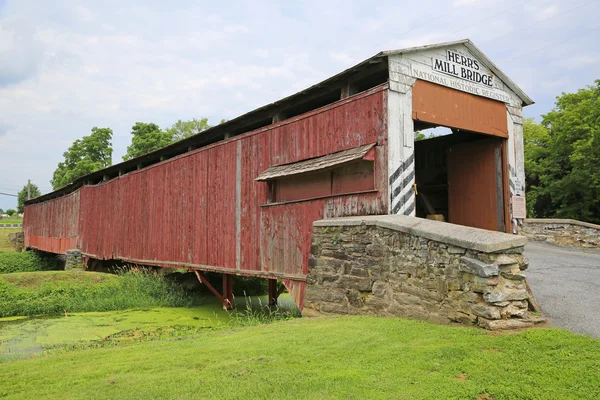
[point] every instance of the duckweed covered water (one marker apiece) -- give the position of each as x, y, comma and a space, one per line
21, 336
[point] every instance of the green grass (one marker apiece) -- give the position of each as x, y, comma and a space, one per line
59, 292
5, 244
27, 261
11, 220
350, 357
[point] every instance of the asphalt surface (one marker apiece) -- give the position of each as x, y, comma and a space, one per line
566, 284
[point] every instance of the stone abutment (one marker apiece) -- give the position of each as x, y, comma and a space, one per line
410, 267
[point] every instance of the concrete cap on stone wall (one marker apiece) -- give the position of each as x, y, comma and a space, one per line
561, 221
444, 232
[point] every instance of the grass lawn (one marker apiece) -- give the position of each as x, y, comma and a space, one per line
5, 244
317, 358
11, 220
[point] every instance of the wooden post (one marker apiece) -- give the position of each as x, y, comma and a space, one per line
273, 293
227, 292
347, 91
278, 117
28, 189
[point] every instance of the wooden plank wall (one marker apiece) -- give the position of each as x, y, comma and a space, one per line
203, 208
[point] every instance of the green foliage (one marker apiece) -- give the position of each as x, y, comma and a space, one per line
147, 137
86, 155
57, 292
34, 192
11, 212
563, 158
421, 136
257, 312
184, 129
322, 358
27, 261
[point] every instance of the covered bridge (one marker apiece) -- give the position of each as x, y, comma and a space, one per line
241, 197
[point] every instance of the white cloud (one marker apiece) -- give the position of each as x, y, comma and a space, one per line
547, 12
66, 68
462, 3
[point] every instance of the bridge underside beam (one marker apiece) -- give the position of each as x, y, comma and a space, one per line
227, 297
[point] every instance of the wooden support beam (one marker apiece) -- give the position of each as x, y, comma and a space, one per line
209, 286
273, 292
280, 291
227, 292
347, 91
278, 117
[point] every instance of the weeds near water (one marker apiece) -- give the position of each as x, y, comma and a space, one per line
60, 292
27, 261
258, 313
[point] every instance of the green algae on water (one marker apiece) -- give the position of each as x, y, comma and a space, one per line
21, 336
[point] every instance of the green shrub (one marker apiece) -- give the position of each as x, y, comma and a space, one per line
52, 293
256, 313
27, 261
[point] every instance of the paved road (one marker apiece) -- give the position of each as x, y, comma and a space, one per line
566, 284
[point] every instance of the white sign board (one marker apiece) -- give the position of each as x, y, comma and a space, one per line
458, 69
518, 207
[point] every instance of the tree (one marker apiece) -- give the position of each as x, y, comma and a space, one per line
535, 140
1, 211
86, 155
421, 136
562, 158
22, 196
146, 138
184, 129
11, 212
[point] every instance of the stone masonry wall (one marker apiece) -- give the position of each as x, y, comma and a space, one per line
17, 239
373, 270
73, 259
564, 232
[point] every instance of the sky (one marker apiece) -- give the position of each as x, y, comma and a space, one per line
68, 66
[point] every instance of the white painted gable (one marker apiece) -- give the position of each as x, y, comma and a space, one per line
460, 66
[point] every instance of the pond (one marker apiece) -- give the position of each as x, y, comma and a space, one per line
22, 336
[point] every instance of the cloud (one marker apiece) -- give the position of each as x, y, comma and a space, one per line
342, 57
20, 51
462, 3
547, 12
66, 68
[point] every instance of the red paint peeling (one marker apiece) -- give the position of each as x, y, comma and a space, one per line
183, 211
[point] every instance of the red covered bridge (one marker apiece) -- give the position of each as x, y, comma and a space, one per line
241, 197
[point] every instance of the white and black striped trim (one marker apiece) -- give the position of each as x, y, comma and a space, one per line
402, 199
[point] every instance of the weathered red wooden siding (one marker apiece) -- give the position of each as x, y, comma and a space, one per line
53, 225
182, 212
